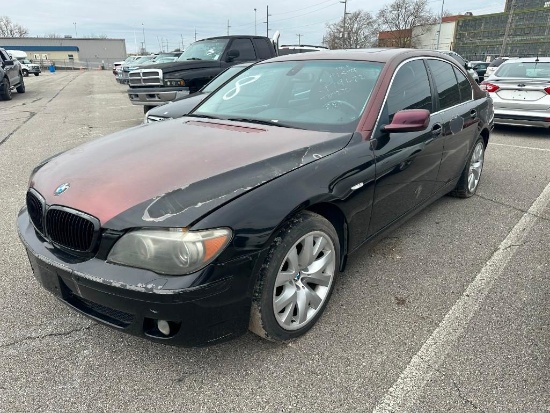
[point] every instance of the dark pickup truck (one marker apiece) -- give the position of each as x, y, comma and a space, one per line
11, 76
203, 60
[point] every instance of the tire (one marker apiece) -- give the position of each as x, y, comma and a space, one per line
296, 279
469, 179
21, 87
25, 73
5, 93
37, 74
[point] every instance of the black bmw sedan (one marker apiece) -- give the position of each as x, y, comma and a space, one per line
241, 214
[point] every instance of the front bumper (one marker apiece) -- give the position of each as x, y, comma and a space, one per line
156, 96
202, 308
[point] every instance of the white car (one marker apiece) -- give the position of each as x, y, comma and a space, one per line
463, 62
520, 89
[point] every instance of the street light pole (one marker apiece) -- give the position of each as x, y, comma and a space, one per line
255, 25
267, 21
75, 33
299, 39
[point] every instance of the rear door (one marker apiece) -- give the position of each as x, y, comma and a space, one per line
459, 116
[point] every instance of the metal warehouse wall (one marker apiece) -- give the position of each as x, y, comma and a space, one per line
89, 50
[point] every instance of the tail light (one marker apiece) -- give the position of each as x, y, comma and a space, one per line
547, 90
489, 87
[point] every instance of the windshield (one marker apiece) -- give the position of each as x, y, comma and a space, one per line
222, 78
529, 70
142, 59
315, 94
204, 50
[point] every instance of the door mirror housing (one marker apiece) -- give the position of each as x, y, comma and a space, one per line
409, 120
232, 55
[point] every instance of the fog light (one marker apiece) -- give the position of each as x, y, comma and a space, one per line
164, 327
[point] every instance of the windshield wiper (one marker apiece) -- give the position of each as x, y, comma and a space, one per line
262, 122
193, 115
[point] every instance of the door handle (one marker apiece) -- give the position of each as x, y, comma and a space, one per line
473, 113
437, 129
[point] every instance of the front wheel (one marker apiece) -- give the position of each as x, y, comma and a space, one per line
469, 179
297, 278
25, 72
37, 74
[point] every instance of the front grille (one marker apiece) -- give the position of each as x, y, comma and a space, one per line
71, 229
35, 206
146, 77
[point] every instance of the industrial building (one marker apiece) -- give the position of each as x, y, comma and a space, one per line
68, 51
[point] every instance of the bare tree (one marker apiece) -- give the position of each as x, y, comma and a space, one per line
10, 29
398, 19
361, 31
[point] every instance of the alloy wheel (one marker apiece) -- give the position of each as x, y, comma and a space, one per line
476, 166
304, 280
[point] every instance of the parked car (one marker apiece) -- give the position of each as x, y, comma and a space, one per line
117, 66
11, 76
123, 73
463, 62
157, 84
480, 68
184, 104
493, 66
285, 49
27, 66
520, 89
241, 214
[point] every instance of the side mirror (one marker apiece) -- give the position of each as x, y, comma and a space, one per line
409, 120
232, 55
467, 65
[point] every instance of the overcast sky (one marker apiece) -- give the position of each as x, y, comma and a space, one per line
171, 22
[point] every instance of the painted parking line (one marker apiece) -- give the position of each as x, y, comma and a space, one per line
410, 384
127, 120
520, 147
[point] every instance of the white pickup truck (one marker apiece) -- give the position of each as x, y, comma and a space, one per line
27, 65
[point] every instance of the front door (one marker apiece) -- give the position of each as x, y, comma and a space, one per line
407, 164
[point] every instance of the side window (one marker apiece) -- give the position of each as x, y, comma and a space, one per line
245, 48
410, 89
263, 49
464, 86
445, 82
4, 55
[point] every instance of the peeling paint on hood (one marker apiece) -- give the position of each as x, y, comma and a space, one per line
176, 168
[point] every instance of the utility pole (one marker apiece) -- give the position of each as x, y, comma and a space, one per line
440, 21
181, 35
508, 28
195, 34
228, 26
299, 39
144, 45
267, 22
344, 43
75, 33
255, 25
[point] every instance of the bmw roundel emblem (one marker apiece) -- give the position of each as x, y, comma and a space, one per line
61, 188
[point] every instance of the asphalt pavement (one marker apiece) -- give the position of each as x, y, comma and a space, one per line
448, 313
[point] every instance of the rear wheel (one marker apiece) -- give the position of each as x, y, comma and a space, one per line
21, 87
297, 278
469, 180
37, 74
5, 92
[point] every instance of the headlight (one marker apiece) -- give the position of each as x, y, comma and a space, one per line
174, 251
174, 82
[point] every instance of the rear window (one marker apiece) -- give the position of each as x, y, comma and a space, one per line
533, 70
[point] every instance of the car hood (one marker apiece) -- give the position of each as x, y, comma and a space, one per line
184, 65
178, 108
174, 172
